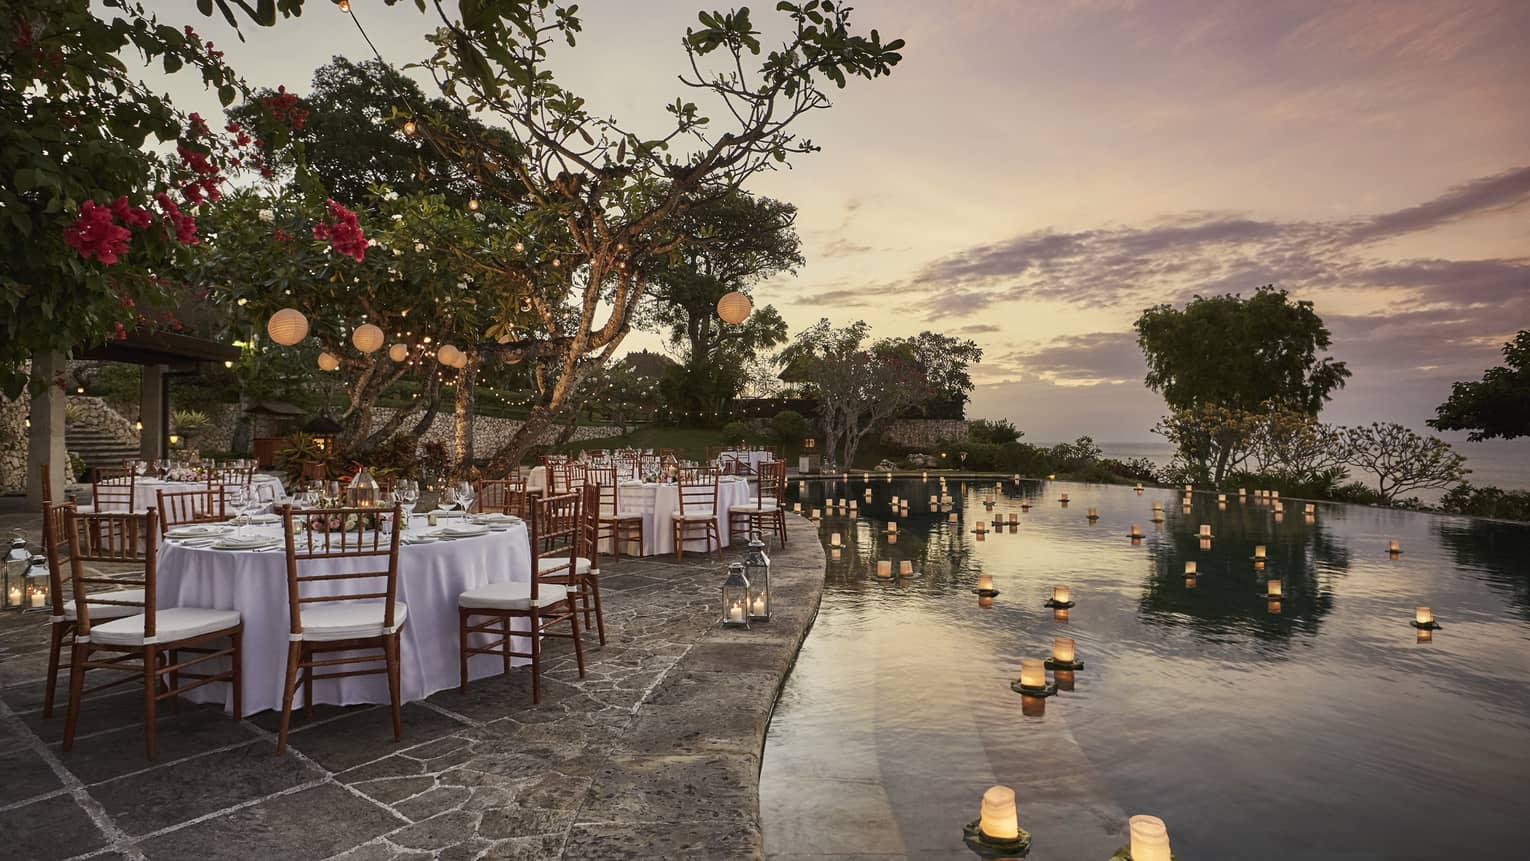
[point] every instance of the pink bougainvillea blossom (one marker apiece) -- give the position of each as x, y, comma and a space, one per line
94, 234
343, 232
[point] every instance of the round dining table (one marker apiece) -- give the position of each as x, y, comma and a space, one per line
268, 489
659, 503
433, 572
751, 458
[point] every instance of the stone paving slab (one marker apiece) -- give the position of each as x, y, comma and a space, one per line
653, 754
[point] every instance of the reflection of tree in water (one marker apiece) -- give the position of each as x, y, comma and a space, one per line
1229, 592
1496, 553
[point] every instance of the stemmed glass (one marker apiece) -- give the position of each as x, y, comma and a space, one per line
963, 456
408, 495
465, 495
238, 498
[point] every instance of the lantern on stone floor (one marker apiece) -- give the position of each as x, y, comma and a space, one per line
757, 572
362, 491
13, 574
35, 585
735, 597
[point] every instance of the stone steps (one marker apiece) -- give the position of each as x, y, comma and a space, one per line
98, 448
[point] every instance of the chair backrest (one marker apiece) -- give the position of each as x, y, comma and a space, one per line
557, 533
116, 537
772, 487
47, 487
698, 490
603, 479
590, 511
342, 534
231, 475
113, 488
191, 506
504, 495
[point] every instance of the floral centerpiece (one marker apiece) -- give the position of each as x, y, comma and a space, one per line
183, 473
370, 521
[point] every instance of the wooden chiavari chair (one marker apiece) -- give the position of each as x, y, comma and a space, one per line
190, 506
155, 637
587, 565
547, 600
767, 511
112, 489
47, 487
698, 509
325, 620
502, 495
611, 522
226, 475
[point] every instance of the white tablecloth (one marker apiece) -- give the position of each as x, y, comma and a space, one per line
752, 458
431, 577
145, 490
658, 504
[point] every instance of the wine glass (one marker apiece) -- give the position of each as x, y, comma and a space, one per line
448, 497
252, 502
465, 496
408, 495
238, 497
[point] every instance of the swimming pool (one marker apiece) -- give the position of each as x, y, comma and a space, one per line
1318, 728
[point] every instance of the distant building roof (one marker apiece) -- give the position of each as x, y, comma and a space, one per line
148, 347
280, 409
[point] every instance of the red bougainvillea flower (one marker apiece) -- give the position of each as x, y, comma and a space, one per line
185, 226
284, 108
199, 127
132, 216
94, 234
343, 232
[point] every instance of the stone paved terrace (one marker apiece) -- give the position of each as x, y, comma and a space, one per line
655, 754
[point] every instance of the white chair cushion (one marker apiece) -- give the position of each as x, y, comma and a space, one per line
694, 515
753, 508
512, 596
551, 566
623, 515
102, 612
179, 623
769, 500
348, 620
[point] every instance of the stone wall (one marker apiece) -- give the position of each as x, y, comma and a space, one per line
924, 433
96, 414
13, 444
489, 433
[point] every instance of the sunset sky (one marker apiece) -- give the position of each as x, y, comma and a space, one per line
1035, 173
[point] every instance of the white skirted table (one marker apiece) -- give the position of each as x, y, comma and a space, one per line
752, 458
431, 576
146, 490
659, 502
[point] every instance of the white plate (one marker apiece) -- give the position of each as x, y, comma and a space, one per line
449, 512
199, 530
264, 518
246, 544
462, 531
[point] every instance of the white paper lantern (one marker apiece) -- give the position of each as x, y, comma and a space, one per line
327, 362
398, 352
447, 355
368, 338
287, 326
734, 308
460, 360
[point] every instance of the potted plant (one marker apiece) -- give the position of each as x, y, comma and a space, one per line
187, 423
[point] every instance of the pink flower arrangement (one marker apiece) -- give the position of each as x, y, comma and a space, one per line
343, 232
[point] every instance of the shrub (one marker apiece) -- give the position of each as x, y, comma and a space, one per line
1356, 492
1487, 501
188, 421
736, 432
999, 431
789, 427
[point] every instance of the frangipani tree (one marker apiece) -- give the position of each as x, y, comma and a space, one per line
598, 200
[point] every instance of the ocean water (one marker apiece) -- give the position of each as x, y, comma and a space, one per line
1502, 463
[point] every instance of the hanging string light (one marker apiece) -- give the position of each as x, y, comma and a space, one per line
408, 128
473, 204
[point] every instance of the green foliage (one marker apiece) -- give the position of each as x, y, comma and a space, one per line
77, 467
188, 421
736, 432
1487, 501
945, 361
1357, 493
299, 450
789, 426
993, 430
1323, 484
1402, 460
1080, 460
1249, 354
73, 412
1498, 405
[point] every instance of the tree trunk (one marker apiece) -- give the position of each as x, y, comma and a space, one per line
244, 432
462, 437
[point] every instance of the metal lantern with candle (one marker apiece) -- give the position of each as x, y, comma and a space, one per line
996, 833
362, 490
1423, 619
34, 587
735, 597
13, 574
1062, 598
757, 572
1063, 655
1033, 679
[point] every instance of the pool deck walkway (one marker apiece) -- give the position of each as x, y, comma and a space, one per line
655, 754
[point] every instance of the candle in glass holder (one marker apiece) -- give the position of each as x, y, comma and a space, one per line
1136, 531
980, 527
1190, 568
951, 517
1033, 673
985, 582
895, 502
1014, 519
1062, 650
1309, 508
797, 507
1138, 488
1280, 508
905, 568
1423, 617
1272, 589
1094, 513
1150, 839
1274, 494
1393, 546
934, 501
892, 527
1221, 497
1205, 530
1060, 614
736, 612
1258, 551
1063, 498
884, 568
1242, 492
835, 540
999, 820
1060, 594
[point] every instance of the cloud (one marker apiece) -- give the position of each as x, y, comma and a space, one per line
1503, 191
979, 329
843, 247
1091, 359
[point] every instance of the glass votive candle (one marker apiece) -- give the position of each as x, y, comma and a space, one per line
884, 568
836, 540
1014, 519
1136, 531
892, 527
1190, 568
998, 820
1272, 589
1205, 530
905, 568
1062, 650
1150, 839
1033, 673
1393, 546
1259, 551
1060, 594
1221, 497
1423, 616
1094, 513
985, 582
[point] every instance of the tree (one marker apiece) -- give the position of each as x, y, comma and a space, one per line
945, 361
1210, 440
616, 198
1402, 460
860, 389
740, 240
1249, 354
97, 227
1498, 405
1300, 448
